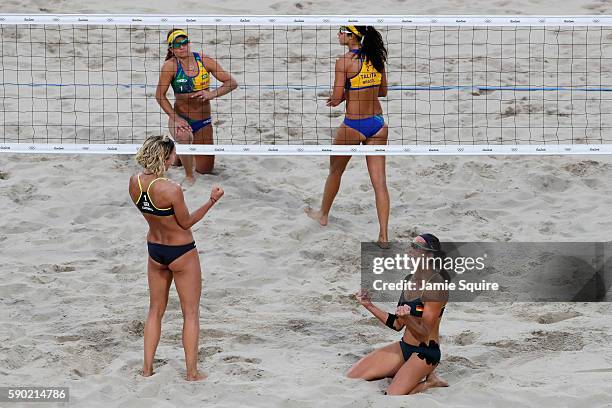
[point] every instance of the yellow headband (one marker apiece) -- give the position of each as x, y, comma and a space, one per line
354, 31
174, 34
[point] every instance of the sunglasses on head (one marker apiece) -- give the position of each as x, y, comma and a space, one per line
179, 44
416, 245
344, 30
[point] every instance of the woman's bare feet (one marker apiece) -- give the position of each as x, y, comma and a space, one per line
383, 242
434, 381
316, 215
147, 372
197, 376
188, 181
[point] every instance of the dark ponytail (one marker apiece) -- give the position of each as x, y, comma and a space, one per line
373, 46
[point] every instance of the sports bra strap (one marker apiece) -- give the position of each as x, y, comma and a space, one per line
151, 183
139, 185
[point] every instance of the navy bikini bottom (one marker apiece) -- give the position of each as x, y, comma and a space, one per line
430, 353
197, 124
166, 254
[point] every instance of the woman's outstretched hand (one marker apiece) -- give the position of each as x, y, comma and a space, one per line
363, 297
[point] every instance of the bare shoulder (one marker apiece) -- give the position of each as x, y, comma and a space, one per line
209, 62
346, 62
343, 59
133, 179
133, 187
169, 65
166, 189
171, 187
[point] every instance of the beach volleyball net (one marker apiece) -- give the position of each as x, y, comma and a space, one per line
457, 85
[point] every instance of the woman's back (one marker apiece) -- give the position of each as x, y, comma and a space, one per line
158, 211
362, 87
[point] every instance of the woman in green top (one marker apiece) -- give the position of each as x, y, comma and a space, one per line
190, 118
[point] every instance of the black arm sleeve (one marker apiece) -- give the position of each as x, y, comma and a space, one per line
390, 323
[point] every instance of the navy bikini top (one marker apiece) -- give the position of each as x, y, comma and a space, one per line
416, 305
145, 204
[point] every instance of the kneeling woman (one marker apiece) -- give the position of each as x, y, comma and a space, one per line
412, 360
172, 250
190, 119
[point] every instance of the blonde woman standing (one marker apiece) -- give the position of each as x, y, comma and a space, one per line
172, 250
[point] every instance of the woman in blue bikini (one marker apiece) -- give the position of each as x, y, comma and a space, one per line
190, 118
360, 79
172, 250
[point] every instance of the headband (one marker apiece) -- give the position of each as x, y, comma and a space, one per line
175, 34
354, 30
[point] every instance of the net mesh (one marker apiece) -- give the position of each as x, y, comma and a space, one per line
448, 85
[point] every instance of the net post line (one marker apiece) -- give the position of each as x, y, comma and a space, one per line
305, 20
321, 150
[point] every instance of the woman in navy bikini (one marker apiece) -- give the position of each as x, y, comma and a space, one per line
172, 250
360, 79
411, 361
190, 119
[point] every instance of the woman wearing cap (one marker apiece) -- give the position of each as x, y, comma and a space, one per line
360, 79
190, 118
412, 360
172, 250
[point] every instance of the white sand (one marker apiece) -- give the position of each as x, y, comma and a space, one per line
278, 325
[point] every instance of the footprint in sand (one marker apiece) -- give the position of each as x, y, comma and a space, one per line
235, 367
208, 334
443, 172
249, 339
25, 193
582, 167
458, 366
134, 328
159, 362
465, 338
540, 340
313, 255
20, 356
299, 326
208, 351
549, 183
555, 317
240, 359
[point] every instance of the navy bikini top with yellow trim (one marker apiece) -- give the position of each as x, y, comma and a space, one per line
145, 204
416, 305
